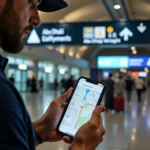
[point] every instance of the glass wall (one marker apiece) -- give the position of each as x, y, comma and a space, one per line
47, 73
63, 72
21, 70
75, 72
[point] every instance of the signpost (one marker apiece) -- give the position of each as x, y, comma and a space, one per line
91, 33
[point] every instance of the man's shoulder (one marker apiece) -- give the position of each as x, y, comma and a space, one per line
6, 86
16, 129
8, 94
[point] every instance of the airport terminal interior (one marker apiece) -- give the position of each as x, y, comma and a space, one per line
105, 40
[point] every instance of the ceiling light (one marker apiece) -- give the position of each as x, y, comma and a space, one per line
133, 137
70, 53
62, 50
78, 56
50, 47
117, 6
123, 70
133, 48
83, 48
134, 52
134, 130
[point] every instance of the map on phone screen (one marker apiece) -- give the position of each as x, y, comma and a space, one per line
82, 104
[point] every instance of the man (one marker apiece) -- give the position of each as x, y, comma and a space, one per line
139, 85
109, 97
17, 18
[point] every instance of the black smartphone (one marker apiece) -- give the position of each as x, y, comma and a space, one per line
86, 95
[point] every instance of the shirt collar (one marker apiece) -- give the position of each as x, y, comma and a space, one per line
3, 63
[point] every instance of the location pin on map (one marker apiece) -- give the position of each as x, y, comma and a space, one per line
87, 92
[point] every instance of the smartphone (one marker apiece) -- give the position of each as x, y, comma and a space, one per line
86, 95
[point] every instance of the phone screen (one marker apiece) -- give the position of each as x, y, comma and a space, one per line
81, 106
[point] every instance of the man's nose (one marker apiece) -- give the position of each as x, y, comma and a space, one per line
35, 18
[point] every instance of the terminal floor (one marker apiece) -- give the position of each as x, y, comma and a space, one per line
124, 131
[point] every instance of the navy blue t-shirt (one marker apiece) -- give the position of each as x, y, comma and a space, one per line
16, 129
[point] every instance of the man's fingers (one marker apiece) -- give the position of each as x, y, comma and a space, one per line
101, 130
63, 106
64, 96
66, 139
96, 118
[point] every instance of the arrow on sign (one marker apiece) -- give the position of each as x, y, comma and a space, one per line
141, 28
126, 33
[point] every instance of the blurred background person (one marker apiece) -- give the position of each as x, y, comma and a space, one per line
120, 86
41, 82
129, 86
139, 85
119, 90
69, 82
109, 95
34, 84
28, 84
55, 84
63, 84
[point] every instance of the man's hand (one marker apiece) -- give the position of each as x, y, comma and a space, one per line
46, 126
91, 134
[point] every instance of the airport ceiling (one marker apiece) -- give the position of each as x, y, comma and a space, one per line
97, 10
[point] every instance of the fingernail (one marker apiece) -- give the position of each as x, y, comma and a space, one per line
70, 88
99, 108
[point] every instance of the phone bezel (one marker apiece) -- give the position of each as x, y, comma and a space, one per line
98, 102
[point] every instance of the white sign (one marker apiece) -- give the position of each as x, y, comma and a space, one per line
126, 33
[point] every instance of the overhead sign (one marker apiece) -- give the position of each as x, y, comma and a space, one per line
91, 33
113, 62
139, 62
117, 62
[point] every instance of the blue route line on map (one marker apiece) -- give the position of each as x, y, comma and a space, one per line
87, 92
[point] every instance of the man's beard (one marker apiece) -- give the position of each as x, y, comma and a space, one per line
10, 37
